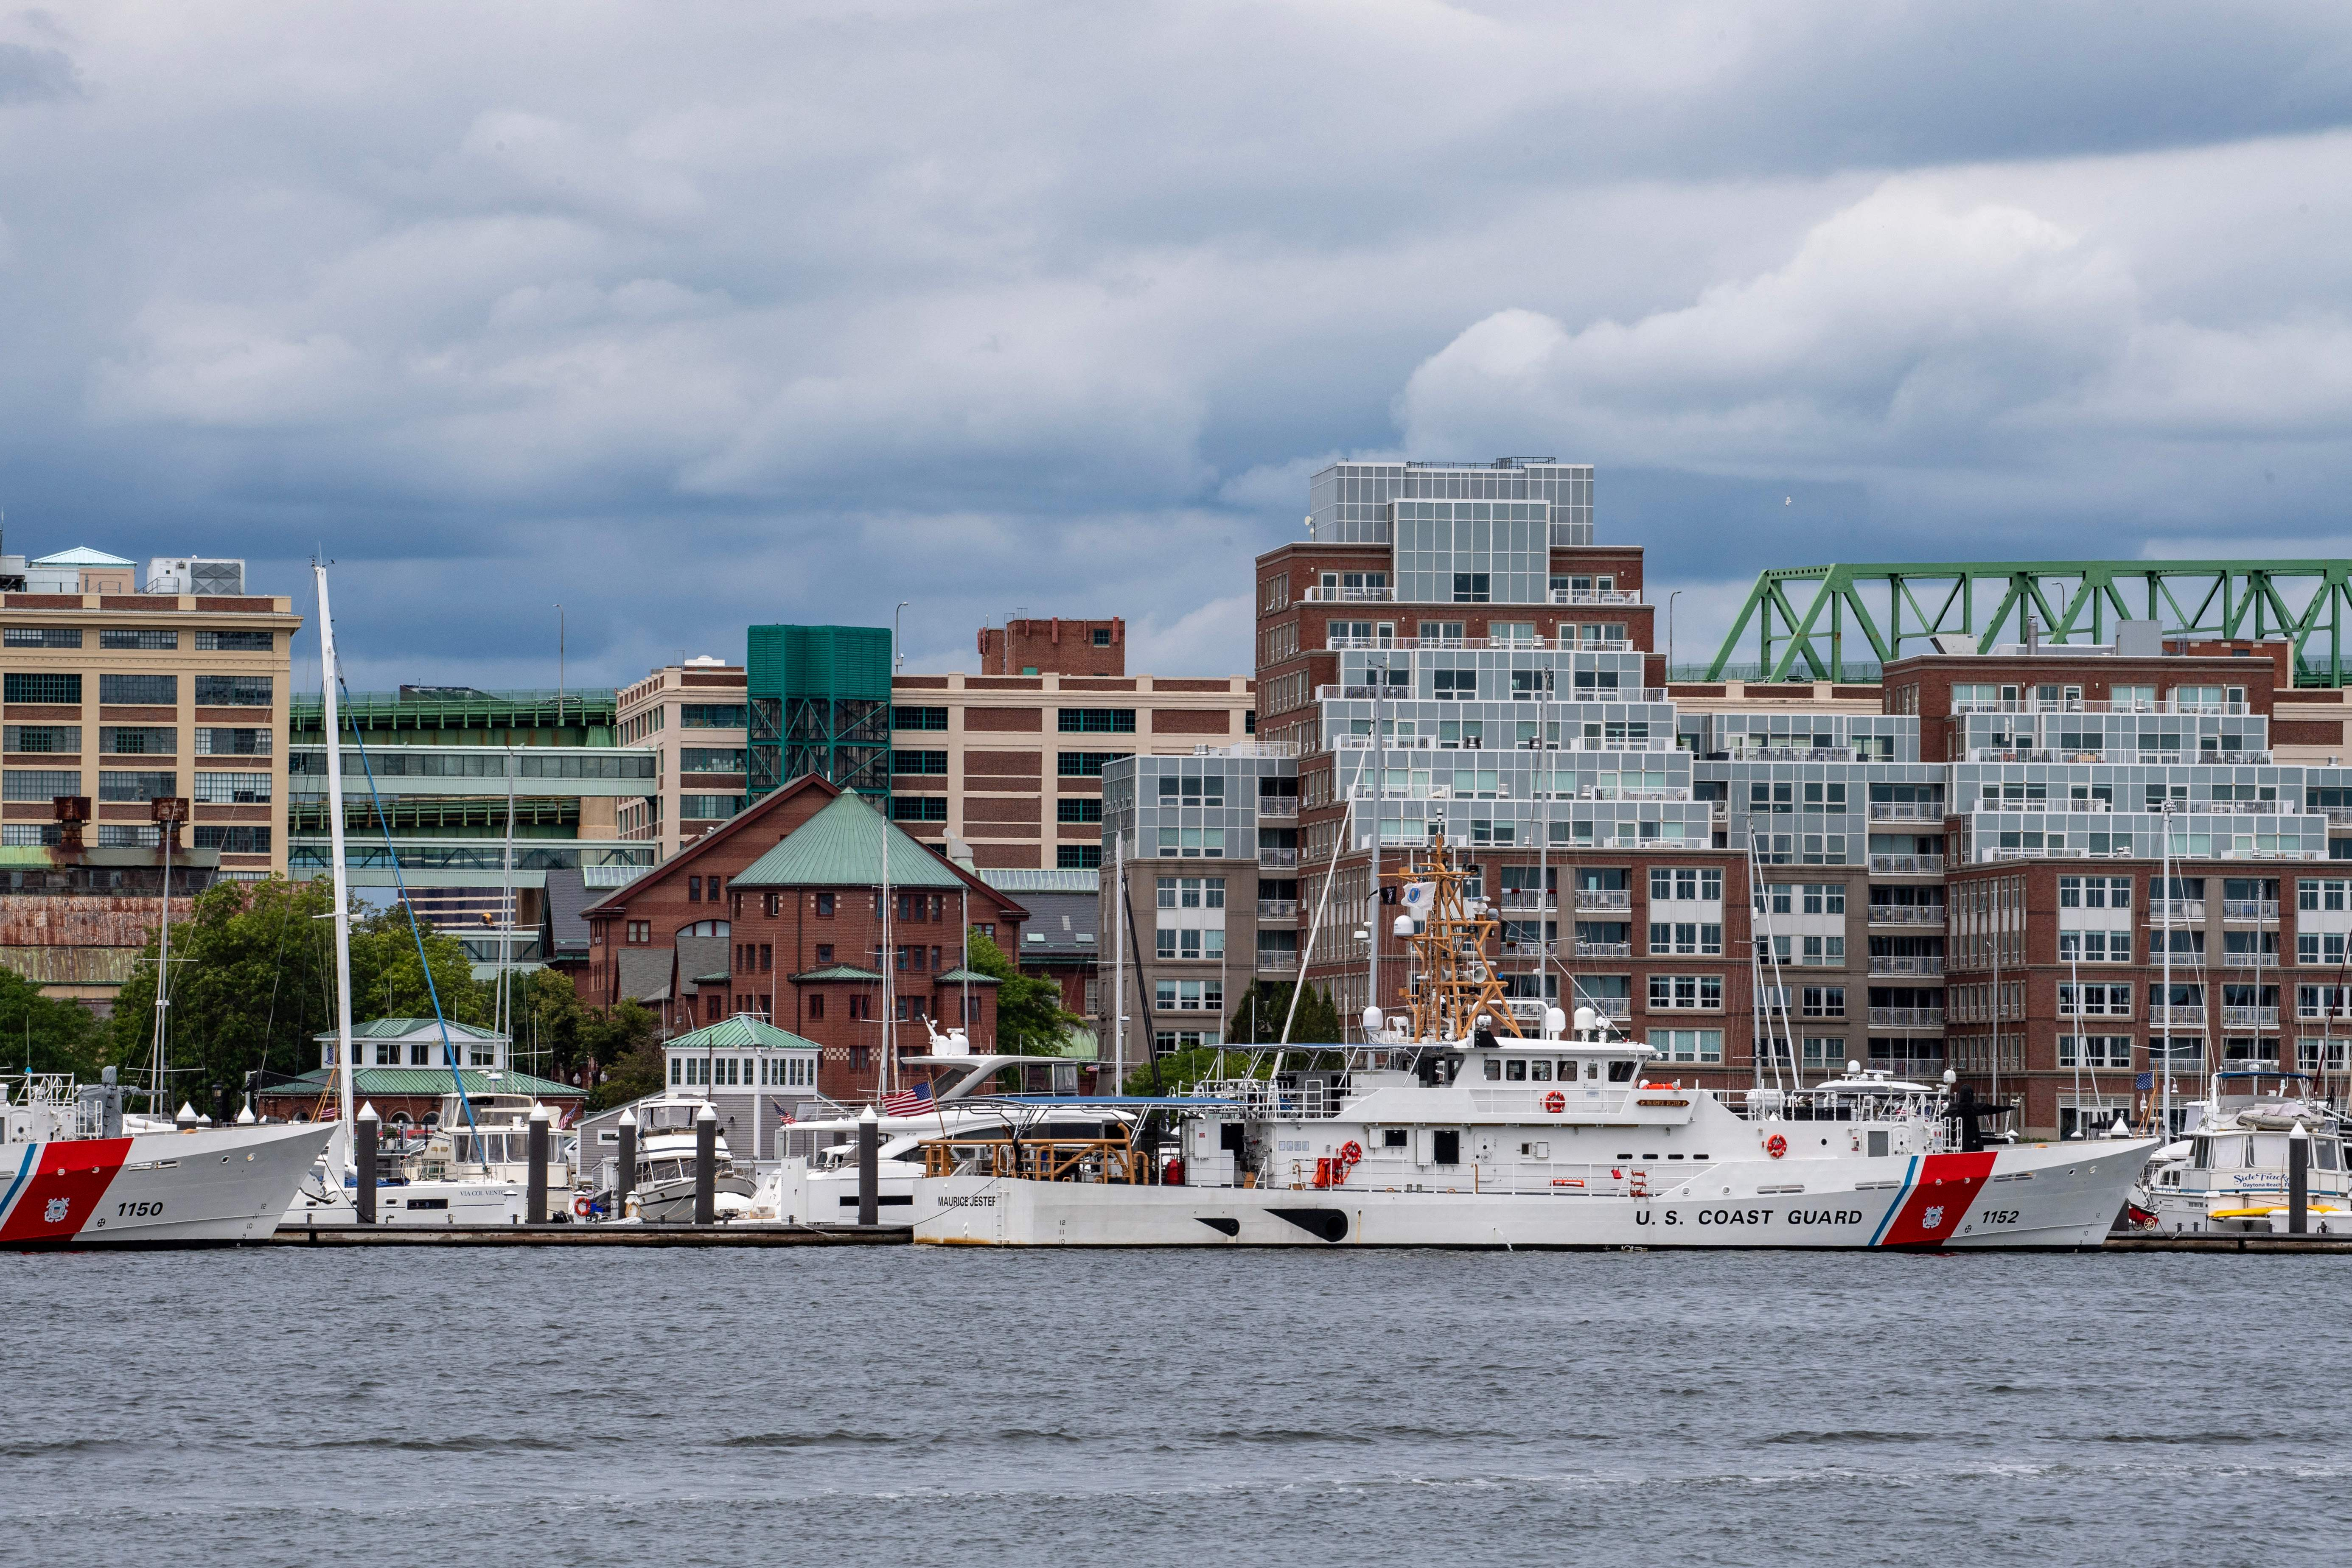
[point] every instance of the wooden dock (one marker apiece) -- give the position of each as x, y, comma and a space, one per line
2184, 1242
746, 1234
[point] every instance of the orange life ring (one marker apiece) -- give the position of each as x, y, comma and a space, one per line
1776, 1145
582, 1206
1351, 1151
1555, 1101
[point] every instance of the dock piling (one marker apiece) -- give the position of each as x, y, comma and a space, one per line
626, 1180
2298, 1181
706, 1166
364, 1131
870, 1168
535, 1191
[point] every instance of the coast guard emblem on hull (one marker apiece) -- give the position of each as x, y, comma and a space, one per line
59, 1208
1931, 1220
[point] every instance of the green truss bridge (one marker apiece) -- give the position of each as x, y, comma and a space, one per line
1834, 622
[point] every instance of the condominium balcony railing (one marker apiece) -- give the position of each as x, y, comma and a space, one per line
1906, 1018
1278, 858
2176, 910
1277, 909
1905, 964
1604, 949
1603, 898
1608, 1006
1907, 865
1431, 743
1804, 754
2162, 1015
1596, 596
2249, 1018
1276, 961
2250, 960
1278, 805
2097, 704
1345, 642
1580, 694
1318, 594
1907, 810
2249, 909
2119, 754
1906, 915
1526, 949
1527, 898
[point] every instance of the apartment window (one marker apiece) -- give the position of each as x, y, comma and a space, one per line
228, 642
1088, 764
816, 1006
1825, 897
934, 763
137, 786
1684, 939
41, 688
1078, 857
1191, 790
2319, 948
1824, 1053
918, 807
158, 691
146, 638
1192, 892
2327, 892
40, 784
1456, 684
2094, 1051
2093, 1000
1188, 996
235, 840
233, 789
710, 715
1821, 1001
230, 691
1687, 1044
41, 637
1823, 952
1191, 843
1082, 808
63, 737
213, 742
710, 759
1097, 721
2095, 946
934, 718
1473, 587
2094, 893
1102, 637
138, 741
825, 906
1684, 883
1681, 993
708, 807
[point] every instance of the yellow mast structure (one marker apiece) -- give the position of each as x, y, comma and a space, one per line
1454, 983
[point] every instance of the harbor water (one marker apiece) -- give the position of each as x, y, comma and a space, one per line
873, 1406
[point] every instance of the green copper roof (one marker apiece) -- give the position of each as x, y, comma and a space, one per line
401, 1028
416, 1081
834, 972
739, 1033
959, 976
841, 846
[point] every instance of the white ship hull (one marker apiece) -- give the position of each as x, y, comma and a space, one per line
2040, 1196
174, 1189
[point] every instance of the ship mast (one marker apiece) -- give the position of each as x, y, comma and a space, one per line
335, 849
1456, 985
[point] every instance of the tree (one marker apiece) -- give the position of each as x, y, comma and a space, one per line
1030, 1018
39, 1034
1265, 1003
1178, 1072
627, 1040
253, 983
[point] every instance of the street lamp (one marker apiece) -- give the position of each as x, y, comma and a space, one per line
898, 660
1677, 593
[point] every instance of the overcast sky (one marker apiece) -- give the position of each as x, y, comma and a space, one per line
687, 316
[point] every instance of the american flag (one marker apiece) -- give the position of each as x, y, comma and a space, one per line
907, 1102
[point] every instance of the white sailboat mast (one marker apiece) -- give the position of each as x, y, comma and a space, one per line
335, 849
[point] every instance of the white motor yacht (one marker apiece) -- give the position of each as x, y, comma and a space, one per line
662, 1190
2229, 1174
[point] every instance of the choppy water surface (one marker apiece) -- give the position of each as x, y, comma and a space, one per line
901, 1405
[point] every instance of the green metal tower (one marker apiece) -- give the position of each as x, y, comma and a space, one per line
819, 700
2215, 600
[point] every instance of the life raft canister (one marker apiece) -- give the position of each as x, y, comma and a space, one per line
1776, 1145
1555, 1101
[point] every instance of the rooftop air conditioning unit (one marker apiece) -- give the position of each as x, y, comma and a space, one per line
193, 574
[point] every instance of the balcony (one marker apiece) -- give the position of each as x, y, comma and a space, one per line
1580, 694
2163, 1015
2250, 960
1528, 899
1804, 754
1907, 811
1604, 949
1596, 596
2176, 911
1907, 865
1278, 859
1905, 964
2249, 1018
1526, 949
1275, 961
1344, 643
2339, 816
1278, 805
2097, 704
1620, 1007
1277, 909
1906, 1018
1318, 594
1604, 898
2115, 754
1906, 915
2249, 909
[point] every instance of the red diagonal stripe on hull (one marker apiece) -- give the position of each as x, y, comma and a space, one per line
1933, 1211
75, 1174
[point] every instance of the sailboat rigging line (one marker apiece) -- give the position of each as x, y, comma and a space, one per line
392, 854
1307, 953
1135, 936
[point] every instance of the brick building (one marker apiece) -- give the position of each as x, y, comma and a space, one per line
787, 900
1054, 647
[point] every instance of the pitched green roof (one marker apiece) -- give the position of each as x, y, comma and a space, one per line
841, 846
740, 1033
717, 978
961, 975
415, 1080
834, 972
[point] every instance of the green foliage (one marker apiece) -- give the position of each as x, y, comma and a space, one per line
624, 1042
253, 983
1180, 1071
38, 1034
1262, 1005
1029, 1019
